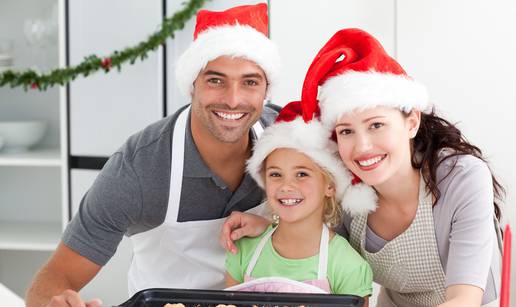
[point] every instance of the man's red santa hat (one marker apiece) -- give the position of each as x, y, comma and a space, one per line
237, 32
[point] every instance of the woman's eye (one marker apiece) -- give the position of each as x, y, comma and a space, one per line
344, 131
376, 125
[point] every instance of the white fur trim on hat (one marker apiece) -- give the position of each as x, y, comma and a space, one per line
229, 40
311, 139
359, 199
362, 90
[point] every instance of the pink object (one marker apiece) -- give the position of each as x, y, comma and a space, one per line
280, 284
506, 267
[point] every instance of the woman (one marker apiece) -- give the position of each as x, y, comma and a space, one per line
431, 233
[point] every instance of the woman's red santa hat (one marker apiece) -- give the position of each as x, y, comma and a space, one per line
355, 72
237, 32
352, 71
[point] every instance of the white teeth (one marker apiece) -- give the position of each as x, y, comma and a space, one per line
290, 201
370, 161
230, 116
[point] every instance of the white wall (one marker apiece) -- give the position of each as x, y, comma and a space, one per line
464, 52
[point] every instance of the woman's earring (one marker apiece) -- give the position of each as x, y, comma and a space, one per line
275, 219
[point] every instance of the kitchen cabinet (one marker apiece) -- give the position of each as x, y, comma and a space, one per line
105, 109
33, 192
33, 184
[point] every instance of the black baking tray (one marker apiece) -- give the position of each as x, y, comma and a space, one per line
157, 297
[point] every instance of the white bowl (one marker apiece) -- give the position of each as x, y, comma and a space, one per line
19, 136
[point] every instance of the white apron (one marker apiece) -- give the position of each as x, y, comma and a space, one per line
286, 285
180, 254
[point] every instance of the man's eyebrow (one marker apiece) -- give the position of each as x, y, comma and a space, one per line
213, 72
253, 75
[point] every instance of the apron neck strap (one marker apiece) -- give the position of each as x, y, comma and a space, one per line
323, 252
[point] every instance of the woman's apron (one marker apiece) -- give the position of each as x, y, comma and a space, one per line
408, 267
180, 254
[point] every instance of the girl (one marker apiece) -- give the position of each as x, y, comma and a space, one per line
431, 236
303, 179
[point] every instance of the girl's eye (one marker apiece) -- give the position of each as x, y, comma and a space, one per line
274, 174
345, 132
301, 174
376, 125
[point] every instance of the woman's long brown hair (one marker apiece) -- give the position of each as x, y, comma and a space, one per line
434, 134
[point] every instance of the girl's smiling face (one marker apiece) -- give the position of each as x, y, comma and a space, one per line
296, 186
375, 143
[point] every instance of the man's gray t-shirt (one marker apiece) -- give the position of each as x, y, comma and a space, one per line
130, 194
464, 226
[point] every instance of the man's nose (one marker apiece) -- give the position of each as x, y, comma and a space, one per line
234, 95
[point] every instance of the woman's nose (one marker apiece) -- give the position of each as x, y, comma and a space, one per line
364, 142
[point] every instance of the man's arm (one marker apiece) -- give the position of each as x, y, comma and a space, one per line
58, 281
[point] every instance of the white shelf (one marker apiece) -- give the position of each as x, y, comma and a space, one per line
29, 236
46, 157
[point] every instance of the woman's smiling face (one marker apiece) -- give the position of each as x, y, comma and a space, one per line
375, 143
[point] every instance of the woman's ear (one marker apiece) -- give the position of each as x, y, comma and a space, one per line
413, 121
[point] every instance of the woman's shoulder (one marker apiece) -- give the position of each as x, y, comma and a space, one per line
457, 166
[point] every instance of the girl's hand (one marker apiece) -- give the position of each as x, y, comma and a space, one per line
239, 225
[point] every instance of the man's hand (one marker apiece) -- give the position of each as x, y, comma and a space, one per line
58, 281
70, 298
239, 225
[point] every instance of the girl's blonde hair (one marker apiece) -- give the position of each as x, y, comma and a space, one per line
332, 214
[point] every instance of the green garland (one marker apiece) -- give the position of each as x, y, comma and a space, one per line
93, 63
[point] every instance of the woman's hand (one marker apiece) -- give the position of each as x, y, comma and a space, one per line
463, 295
239, 225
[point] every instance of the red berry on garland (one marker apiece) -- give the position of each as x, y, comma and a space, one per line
34, 86
106, 63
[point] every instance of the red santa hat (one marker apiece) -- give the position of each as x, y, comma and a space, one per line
355, 72
311, 138
237, 32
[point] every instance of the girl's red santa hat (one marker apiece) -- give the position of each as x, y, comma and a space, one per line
237, 32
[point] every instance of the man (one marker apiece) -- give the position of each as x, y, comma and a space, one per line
170, 186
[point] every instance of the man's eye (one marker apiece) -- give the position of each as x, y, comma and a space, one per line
251, 82
215, 81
